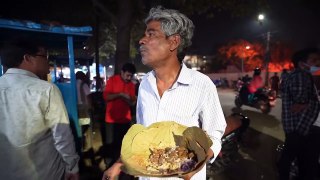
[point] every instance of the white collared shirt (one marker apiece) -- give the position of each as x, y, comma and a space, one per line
191, 101
35, 137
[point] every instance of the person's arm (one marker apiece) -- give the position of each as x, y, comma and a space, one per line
212, 118
109, 94
300, 86
112, 96
87, 92
56, 118
133, 97
213, 123
113, 171
189, 175
129, 98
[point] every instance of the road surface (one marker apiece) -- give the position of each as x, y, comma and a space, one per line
268, 124
257, 155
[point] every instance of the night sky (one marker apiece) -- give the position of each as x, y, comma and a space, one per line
296, 22
290, 22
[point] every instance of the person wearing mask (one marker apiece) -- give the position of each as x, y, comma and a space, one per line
171, 90
119, 95
35, 136
300, 117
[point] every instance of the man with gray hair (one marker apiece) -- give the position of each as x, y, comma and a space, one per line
171, 91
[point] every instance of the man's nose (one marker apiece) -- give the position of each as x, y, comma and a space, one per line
142, 41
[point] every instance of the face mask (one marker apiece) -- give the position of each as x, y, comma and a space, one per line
314, 69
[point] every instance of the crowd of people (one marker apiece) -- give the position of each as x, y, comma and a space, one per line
35, 128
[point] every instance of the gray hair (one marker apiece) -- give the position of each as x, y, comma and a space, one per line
173, 22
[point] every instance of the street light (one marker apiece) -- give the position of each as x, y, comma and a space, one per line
242, 59
267, 53
261, 17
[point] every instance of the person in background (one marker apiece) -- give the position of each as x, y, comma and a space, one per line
171, 90
300, 117
97, 84
61, 78
119, 95
239, 84
84, 108
275, 81
35, 135
283, 78
255, 83
246, 79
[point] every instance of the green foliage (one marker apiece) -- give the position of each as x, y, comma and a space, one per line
108, 41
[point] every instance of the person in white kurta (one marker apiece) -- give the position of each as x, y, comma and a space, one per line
171, 91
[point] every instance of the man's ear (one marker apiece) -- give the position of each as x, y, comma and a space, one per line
175, 41
26, 62
27, 58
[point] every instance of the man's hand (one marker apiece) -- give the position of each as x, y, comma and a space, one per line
189, 175
72, 176
125, 96
113, 171
199, 167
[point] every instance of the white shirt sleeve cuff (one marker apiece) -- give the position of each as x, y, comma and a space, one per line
216, 147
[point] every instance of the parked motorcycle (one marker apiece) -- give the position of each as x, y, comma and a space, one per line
236, 126
264, 99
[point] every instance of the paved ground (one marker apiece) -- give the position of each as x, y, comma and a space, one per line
256, 156
255, 159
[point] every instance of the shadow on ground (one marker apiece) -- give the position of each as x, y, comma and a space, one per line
267, 120
255, 159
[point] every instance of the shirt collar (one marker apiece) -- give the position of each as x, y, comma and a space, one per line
185, 76
21, 71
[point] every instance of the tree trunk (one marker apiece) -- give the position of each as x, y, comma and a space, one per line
98, 79
125, 12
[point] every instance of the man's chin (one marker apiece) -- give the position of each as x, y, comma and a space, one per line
146, 62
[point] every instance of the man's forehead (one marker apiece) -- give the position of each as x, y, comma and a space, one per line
153, 25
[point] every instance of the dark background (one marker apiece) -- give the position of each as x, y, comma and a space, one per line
292, 21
